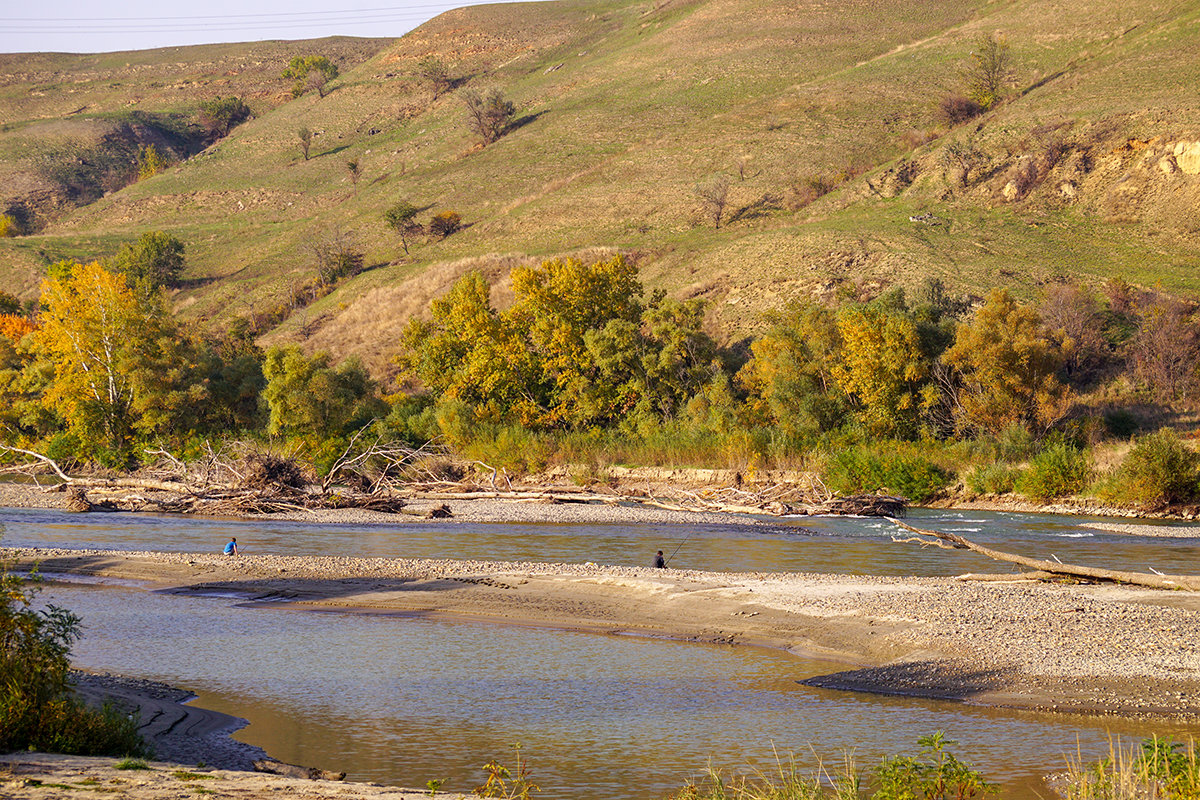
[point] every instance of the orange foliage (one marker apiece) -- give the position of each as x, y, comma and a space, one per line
14, 327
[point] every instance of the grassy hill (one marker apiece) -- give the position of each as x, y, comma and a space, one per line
625, 107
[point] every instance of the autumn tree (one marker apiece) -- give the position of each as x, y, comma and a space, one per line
434, 75
489, 115
402, 218
310, 72
1164, 352
467, 351
308, 396
99, 346
154, 261
789, 380
1005, 368
883, 368
151, 161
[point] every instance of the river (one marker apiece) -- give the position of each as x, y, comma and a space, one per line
399, 700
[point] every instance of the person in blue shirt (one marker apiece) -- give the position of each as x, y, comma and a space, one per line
231, 549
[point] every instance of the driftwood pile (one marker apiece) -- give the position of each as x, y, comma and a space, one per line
374, 477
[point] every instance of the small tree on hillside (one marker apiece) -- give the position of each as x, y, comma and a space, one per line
444, 223
402, 219
434, 75
305, 136
489, 116
151, 162
355, 170
221, 114
714, 196
310, 72
337, 255
989, 72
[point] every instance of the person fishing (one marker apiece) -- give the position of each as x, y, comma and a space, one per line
659, 561
232, 548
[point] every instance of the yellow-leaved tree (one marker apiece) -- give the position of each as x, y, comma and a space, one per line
883, 368
1005, 366
97, 350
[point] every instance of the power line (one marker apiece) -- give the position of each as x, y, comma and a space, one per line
404, 8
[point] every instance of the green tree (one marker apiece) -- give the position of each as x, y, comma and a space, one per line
310, 72
307, 396
402, 218
354, 167
305, 137
221, 114
1005, 369
789, 379
489, 116
468, 352
990, 71
37, 710
154, 261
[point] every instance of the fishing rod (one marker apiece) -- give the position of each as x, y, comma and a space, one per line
681, 544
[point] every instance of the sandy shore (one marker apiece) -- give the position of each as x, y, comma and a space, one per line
48, 776
1030, 645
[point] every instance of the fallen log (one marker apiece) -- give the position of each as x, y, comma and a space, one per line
952, 541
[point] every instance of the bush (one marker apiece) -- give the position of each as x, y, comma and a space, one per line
1160, 469
1058, 470
221, 114
856, 470
992, 479
955, 109
444, 223
37, 710
9, 226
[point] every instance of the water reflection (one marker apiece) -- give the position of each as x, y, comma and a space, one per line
403, 700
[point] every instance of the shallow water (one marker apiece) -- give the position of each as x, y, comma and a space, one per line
822, 544
401, 700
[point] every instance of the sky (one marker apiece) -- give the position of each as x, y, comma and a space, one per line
87, 26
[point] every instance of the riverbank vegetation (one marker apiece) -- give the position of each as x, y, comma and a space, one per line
918, 393
37, 708
1157, 768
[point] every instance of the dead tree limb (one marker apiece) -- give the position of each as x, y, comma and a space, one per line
1053, 568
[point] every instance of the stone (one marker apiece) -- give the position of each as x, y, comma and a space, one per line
1187, 157
1068, 189
1167, 165
1011, 191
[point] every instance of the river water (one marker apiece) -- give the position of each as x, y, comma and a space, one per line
401, 700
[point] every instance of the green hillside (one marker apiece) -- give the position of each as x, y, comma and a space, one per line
1088, 169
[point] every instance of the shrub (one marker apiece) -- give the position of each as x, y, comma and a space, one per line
444, 223
37, 710
221, 114
1058, 470
151, 162
992, 479
955, 109
1160, 469
856, 470
9, 226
